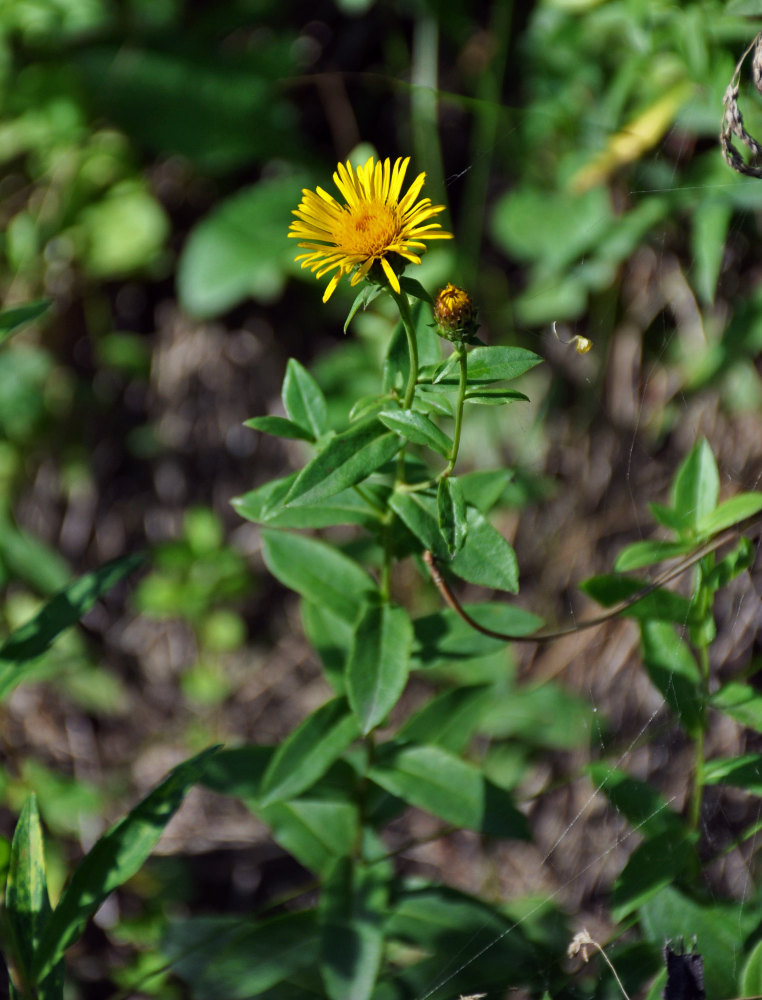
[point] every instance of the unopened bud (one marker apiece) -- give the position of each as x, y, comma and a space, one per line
455, 314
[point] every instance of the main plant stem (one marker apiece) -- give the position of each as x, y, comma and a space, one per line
462, 385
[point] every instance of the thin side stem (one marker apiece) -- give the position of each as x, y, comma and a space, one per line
462, 385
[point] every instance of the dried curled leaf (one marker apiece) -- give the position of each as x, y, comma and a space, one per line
732, 119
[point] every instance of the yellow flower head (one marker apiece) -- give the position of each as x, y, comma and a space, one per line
373, 223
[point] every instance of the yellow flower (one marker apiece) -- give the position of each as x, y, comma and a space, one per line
455, 314
373, 223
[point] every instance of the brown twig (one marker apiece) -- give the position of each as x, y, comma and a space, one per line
665, 577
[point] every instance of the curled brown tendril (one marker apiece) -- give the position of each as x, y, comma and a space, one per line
548, 636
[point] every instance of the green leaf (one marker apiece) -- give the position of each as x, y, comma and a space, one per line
26, 899
330, 637
279, 427
659, 604
303, 399
486, 558
646, 553
416, 427
33, 639
709, 229
347, 458
14, 318
418, 513
440, 783
731, 512
351, 913
451, 510
498, 364
747, 8
719, 930
232, 958
416, 289
674, 672
495, 397
741, 772
642, 806
485, 488
655, 864
448, 720
751, 974
443, 637
315, 831
115, 857
741, 702
666, 516
546, 716
319, 572
238, 771
263, 506
308, 751
378, 663
397, 360
696, 487
362, 300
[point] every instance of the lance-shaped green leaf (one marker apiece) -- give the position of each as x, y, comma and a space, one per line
347, 458
486, 558
319, 572
280, 427
307, 752
741, 702
61, 612
418, 512
451, 510
674, 671
696, 487
495, 397
742, 772
659, 604
492, 364
449, 719
13, 319
443, 784
263, 507
656, 863
114, 858
27, 903
316, 831
646, 553
731, 512
416, 427
351, 915
304, 400
378, 663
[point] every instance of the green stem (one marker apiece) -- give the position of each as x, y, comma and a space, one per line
697, 784
462, 385
412, 345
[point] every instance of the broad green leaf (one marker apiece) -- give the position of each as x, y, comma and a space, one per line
279, 427
330, 636
378, 663
494, 364
484, 489
238, 250
451, 510
696, 487
114, 858
14, 318
730, 512
543, 716
418, 512
485, 558
443, 636
416, 289
718, 928
673, 671
659, 604
304, 400
642, 806
308, 751
238, 771
437, 781
495, 397
751, 974
656, 863
666, 516
29, 559
741, 702
314, 831
347, 458
26, 899
646, 553
263, 506
234, 958
416, 427
448, 720
352, 912
742, 772
318, 571
33, 639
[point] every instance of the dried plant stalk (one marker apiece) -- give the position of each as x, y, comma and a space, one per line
732, 119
